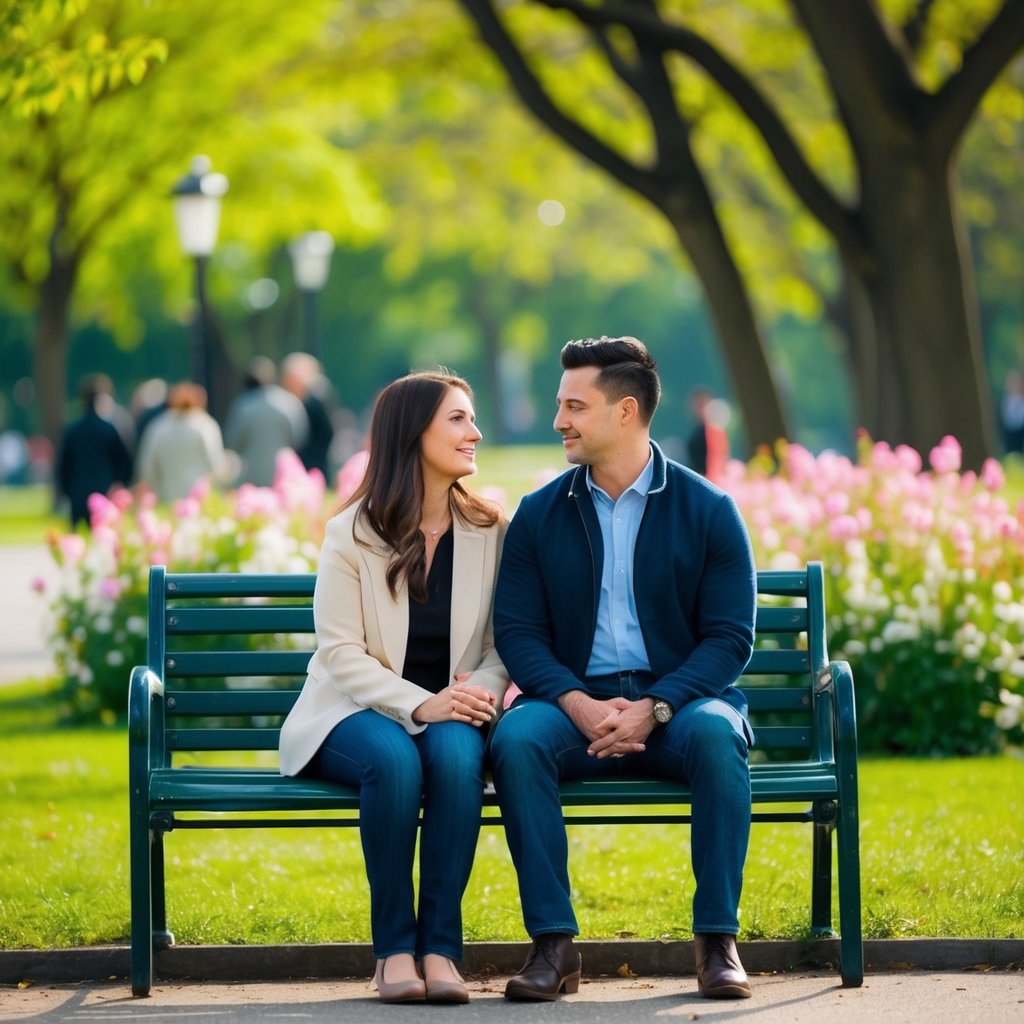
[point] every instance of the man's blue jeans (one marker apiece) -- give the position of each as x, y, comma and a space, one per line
705, 745
392, 770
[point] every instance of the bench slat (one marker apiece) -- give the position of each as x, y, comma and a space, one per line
192, 664
781, 620
223, 739
218, 584
219, 790
226, 619
783, 663
230, 702
777, 698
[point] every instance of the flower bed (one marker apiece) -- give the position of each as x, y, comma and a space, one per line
98, 614
925, 583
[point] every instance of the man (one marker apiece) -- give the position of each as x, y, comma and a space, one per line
624, 611
302, 375
262, 421
708, 444
93, 455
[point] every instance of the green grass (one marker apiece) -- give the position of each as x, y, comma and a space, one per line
942, 855
26, 514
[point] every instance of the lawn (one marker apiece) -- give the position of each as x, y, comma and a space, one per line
940, 857
26, 513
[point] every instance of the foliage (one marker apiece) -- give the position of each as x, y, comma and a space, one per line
925, 577
99, 610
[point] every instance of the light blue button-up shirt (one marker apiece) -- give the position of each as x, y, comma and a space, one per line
618, 642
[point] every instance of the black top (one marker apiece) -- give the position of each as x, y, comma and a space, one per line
428, 652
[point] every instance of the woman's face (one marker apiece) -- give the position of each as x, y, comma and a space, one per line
448, 445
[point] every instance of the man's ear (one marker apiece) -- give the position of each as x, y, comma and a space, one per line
630, 409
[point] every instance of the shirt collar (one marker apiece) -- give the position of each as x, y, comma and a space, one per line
642, 484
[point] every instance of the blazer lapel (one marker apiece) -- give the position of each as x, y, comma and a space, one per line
467, 596
391, 614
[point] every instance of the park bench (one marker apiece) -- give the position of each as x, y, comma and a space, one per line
204, 689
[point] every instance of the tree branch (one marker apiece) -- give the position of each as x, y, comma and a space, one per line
533, 95
834, 215
956, 102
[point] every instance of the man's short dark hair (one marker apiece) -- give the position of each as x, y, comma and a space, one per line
627, 369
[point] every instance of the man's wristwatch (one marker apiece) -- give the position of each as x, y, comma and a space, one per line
662, 712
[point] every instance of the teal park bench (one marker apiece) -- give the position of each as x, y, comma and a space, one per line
204, 689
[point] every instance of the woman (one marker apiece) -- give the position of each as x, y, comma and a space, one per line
181, 446
405, 675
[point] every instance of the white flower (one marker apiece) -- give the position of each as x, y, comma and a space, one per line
115, 658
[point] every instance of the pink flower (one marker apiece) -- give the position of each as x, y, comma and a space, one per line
110, 588
908, 459
102, 511
836, 504
251, 500
122, 499
187, 508
844, 528
350, 476
72, 547
946, 456
992, 475
39, 584
200, 490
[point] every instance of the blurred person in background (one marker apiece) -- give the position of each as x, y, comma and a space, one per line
708, 443
1011, 413
93, 456
262, 421
148, 401
302, 375
181, 446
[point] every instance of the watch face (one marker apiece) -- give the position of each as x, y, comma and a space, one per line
662, 711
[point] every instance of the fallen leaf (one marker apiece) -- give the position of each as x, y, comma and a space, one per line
626, 972
24, 984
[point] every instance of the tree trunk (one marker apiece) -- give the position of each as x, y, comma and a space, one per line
691, 213
490, 333
929, 377
50, 351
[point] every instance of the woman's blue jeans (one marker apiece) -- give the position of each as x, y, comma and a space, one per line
393, 771
535, 744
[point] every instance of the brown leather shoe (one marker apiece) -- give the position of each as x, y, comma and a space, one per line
720, 974
552, 966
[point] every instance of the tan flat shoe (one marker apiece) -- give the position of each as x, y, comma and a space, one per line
446, 990
409, 990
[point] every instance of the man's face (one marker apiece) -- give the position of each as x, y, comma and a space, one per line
590, 425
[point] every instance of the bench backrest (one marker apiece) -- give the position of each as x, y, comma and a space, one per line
232, 650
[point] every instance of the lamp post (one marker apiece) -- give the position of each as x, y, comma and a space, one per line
311, 263
197, 216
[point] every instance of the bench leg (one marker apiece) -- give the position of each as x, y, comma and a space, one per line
851, 946
162, 938
821, 878
142, 909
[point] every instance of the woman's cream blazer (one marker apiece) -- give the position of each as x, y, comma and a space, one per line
362, 633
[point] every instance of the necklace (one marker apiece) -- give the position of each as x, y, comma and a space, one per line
433, 534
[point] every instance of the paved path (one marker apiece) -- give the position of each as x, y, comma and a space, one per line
918, 997
22, 644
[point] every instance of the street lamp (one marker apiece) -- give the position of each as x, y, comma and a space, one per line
311, 263
197, 216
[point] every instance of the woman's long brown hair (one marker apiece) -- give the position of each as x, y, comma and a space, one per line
391, 493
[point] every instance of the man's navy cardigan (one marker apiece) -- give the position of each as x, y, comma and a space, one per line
694, 580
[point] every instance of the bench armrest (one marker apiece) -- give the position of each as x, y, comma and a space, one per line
145, 729
845, 713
